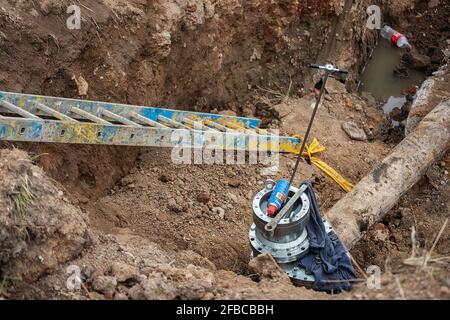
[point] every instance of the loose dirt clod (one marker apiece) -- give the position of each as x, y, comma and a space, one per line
105, 284
123, 272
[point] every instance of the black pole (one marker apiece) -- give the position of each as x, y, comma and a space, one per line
305, 138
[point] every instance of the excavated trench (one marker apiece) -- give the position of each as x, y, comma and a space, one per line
199, 56
194, 55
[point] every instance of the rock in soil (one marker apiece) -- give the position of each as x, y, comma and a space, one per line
105, 284
136, 292
219, 211
123, 272
204, 197
82, 84
165, 178
266, 266
354, 131
174, 206
334, 86
235, 183
416, 60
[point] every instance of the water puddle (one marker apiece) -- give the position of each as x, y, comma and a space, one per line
379, 80
393, 102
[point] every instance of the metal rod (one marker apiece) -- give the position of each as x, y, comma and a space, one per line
197, 125
217, 126
119, 118
305, 138
146, 120
172, 123
53, 112
63, 104
88, 116
15, 109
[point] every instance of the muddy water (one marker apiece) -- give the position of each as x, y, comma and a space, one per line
379, 80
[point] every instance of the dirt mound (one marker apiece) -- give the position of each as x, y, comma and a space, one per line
39, 229
125, 266
160, 52
422, 285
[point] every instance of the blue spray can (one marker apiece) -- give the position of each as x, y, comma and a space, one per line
277, 197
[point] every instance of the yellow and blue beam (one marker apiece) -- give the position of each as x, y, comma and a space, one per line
32, 130
64, 105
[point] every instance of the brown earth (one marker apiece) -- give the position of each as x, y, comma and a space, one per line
165, 203
151, 53
163, 222
197, 55
39, 229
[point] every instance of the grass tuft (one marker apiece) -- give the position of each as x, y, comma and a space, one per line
277, 96
23, 197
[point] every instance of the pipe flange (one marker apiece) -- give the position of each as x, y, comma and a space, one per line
262, 197
281, 252
298, 275
289, 228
